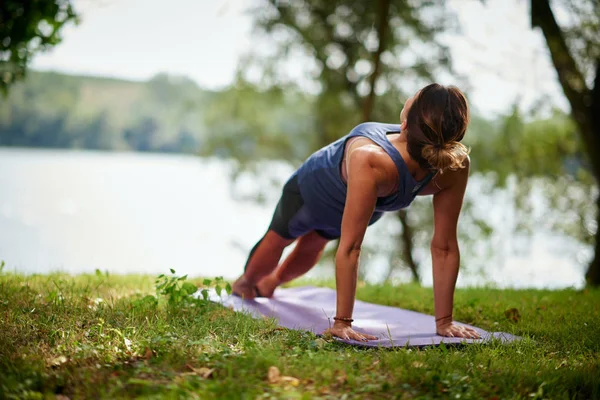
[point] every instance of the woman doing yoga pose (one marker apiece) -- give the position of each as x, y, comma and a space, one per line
346, 186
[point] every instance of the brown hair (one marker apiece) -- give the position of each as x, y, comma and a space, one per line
436, 123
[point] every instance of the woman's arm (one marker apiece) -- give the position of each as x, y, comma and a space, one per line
445, 253
365, 180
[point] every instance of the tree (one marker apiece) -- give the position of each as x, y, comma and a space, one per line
49, 109
575, 53
361, 52
26, 28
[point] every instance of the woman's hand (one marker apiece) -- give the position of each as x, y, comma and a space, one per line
345, 331
451, 330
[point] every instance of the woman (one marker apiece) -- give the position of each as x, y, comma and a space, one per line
346, 186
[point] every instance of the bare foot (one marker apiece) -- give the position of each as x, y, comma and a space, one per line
243, 288
267, 285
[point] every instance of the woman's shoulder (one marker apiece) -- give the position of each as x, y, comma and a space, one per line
369, 158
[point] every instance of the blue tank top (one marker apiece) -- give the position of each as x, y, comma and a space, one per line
324, 191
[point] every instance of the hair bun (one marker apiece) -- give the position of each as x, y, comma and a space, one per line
449, 156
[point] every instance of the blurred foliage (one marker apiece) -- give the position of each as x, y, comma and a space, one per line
26, 28
351, 51
580, 25
538, 159
250, 124
62, 111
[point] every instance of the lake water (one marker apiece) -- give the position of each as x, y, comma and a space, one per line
75, 212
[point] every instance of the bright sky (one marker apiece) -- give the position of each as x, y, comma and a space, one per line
504, 60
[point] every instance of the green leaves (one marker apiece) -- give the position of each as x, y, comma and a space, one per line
174, 288
178, 292
26, 28
219, 284
147, 301
533, 158
188, 288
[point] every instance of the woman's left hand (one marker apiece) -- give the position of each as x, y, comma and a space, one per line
451, 330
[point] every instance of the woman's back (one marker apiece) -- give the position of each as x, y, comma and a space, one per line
321, 179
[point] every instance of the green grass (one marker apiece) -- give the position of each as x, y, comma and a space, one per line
58, 338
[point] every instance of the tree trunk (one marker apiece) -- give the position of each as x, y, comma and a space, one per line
583, 102
407, 245
368, 105
382, 28
592, 275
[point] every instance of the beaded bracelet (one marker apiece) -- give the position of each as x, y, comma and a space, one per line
345, 319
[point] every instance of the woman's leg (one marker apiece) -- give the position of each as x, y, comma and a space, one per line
305, 255
263, 259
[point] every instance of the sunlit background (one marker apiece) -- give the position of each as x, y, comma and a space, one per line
158, 136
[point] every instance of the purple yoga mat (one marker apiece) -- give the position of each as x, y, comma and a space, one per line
312, 308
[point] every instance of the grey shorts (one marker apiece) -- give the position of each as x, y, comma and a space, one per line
292, 218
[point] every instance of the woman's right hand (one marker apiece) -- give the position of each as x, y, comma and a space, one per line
345, 331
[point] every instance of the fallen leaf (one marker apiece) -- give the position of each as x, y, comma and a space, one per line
512, 314
291, 380
417, 364
273, 374
148, 353
203, 372
61, 397
59, 360
342, 377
